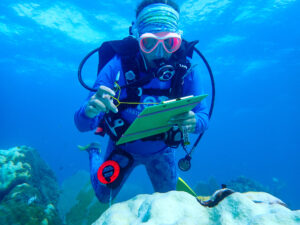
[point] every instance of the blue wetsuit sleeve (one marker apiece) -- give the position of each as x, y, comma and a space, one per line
106, 77
193, 85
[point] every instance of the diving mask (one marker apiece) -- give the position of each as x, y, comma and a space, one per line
171, 42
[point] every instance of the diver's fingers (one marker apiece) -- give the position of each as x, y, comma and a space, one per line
105, 94
179, 118
181, 121
103, 90
184, 119
184, 116
190, 128
98, 105
187, 122
94, 107
91, 112
109, 103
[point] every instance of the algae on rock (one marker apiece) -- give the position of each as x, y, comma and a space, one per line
28, 188
87, 208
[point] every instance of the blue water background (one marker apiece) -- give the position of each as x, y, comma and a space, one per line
253, 49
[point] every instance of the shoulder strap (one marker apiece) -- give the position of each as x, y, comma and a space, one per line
186, 49
126, 48
182, 65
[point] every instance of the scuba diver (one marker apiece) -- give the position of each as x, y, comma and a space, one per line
152, 65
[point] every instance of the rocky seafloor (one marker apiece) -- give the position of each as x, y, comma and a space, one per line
29, 191
30, 194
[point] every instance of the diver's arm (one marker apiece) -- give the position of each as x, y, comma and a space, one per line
196, 120
201, 122
193, 86
87, 117
85, 123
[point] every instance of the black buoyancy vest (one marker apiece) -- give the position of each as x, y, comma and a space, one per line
128, 50
131, 60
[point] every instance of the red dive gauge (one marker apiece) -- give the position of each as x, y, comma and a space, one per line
108, 172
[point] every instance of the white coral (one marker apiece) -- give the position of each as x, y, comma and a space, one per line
181, 208
12, 168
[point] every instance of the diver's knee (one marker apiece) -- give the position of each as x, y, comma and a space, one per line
103, 198
102, 192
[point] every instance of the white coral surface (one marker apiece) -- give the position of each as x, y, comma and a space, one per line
180, 208
12, 167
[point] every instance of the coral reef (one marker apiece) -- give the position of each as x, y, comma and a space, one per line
182, 208
28, 188
78, 203
244, 184
87, 208
240, 184
70, 189
207, 189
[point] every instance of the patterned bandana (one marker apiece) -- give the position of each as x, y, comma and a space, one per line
157, 18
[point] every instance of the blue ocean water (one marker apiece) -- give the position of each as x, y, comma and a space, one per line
253, 49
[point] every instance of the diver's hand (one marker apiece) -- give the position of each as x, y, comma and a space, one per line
101, 101
187, 120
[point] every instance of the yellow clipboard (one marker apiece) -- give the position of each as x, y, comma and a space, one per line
154, 119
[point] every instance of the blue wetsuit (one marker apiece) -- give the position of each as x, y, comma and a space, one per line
158, 159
